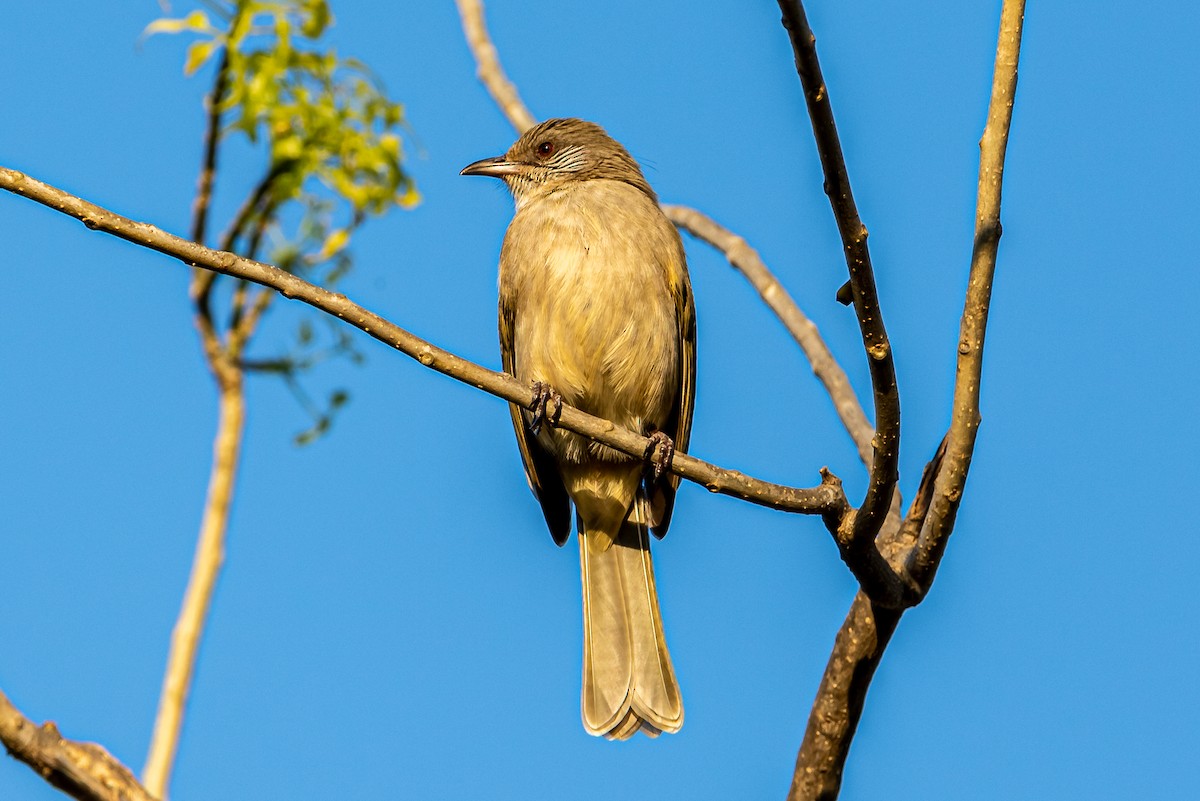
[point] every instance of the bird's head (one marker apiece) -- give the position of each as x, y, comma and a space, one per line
558, 152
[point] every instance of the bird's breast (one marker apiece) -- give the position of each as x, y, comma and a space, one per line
585, 274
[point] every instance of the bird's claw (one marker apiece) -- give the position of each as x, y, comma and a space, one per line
659, 454
544, 397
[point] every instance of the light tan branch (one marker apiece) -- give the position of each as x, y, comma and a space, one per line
746, 260
197, 599
489, 71
210, 547
803, 330
965, 418
81, 770
826, 499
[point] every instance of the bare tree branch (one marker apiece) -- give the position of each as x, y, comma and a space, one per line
864, 635
489, 71
838, 705
212, 135
879, 581
197, 598
825, 367
803, 330
210, 547
857, 651
202, 279
81, 770
965, 419
826, 499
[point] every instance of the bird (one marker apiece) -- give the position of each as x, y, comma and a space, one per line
596, 311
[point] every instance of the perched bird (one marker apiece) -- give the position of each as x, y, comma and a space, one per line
596, 311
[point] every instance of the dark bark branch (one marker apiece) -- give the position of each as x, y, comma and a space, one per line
839, 703
826, 499
240, 329
746, 260
857, 651
208, 166
867, 629
202, 280
857, 543
81, 770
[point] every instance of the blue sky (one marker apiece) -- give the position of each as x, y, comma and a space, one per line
394, 620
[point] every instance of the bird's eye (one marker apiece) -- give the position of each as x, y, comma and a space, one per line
545, 149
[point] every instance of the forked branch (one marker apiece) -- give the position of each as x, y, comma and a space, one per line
918, 546
857, 537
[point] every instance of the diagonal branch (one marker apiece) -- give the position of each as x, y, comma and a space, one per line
489, 70
857, 651
81, 770
202, 280
860, 554
802, 329
865, 633
825, 367
965, 418
826, 499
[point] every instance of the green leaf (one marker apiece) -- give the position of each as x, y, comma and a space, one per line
196, 21
317, 19
198, 53
333, 243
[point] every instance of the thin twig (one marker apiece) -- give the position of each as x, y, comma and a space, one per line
245, 325
236, 330
489, 70
825, 499
81, 770
803, 330
965, 419
212, 135
861, 556
255, 206
202, 280
864, 635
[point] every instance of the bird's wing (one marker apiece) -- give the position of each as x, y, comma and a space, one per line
540, 468
678, 424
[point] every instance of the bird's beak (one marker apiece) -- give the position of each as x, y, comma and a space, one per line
497, 167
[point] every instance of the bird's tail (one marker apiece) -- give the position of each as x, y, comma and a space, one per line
628, 681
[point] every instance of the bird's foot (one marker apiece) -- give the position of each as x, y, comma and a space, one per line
659, 454
546, 406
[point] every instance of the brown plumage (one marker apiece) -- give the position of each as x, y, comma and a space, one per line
595, 302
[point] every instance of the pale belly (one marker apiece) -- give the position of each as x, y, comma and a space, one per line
594, 317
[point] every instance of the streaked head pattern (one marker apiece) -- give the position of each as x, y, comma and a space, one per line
557, 152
